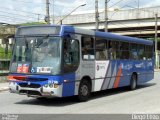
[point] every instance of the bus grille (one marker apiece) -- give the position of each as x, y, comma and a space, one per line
29, 85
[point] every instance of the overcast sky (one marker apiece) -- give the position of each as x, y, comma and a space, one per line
19, 11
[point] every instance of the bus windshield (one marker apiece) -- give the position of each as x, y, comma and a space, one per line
36, 55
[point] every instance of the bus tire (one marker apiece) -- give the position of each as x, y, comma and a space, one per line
133, 82
84, 91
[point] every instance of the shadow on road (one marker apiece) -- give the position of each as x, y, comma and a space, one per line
50, 101
60, 102
110, 92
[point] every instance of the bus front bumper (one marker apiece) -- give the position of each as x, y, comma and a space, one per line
42, 91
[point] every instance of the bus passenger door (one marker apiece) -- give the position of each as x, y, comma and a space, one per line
71, 61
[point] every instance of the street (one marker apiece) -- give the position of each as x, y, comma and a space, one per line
146, 99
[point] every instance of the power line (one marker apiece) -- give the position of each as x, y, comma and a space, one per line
9, 20
31, 2
28, 2
14, 17
143, 9
21, 11
116, 3
18, 14
20, 5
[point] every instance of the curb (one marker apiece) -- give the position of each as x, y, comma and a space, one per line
4, 89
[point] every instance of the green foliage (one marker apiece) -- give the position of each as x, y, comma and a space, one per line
3, 55
153, 39
32, 23
1, 49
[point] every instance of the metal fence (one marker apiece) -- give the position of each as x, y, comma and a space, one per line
4, 63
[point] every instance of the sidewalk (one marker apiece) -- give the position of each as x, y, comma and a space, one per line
156, 70
4, 86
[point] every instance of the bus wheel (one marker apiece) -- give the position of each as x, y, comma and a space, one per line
84, 91
133, 82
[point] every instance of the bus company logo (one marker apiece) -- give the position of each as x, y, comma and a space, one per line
140, 65
100, 67
97, 67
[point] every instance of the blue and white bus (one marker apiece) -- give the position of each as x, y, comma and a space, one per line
61, 61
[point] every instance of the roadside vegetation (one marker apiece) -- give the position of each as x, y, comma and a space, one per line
4, 55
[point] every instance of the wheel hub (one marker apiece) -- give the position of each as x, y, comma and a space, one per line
84, 90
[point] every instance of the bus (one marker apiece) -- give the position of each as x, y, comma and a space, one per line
62, 60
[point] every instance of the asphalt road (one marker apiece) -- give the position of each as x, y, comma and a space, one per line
146, 99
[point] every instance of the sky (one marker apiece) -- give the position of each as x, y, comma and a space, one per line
21, 11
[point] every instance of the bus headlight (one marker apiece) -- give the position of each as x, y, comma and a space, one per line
48, 85
55, 85
51, 85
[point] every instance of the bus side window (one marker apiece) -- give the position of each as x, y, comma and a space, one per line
141, 52
101, 49
113, 47
71, 55
149, 52
124, 50
133, 51
88, 48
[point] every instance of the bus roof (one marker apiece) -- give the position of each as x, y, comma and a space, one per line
108, 35
72, 29
124, 38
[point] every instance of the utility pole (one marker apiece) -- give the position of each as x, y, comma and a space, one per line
138, 17
47, 18
156, 52
38, 17
96, 15
138, 9
106, 15
53, 12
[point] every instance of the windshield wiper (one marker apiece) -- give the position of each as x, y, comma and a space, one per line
41, 42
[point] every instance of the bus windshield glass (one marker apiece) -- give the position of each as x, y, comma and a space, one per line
36, 55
